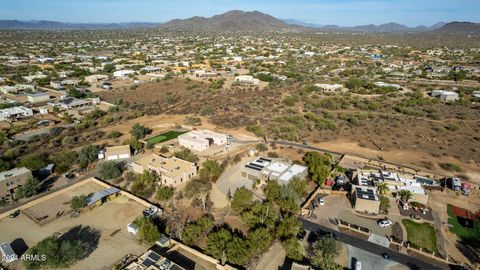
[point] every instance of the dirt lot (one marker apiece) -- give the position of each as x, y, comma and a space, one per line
118, 212
439, 201
385, 133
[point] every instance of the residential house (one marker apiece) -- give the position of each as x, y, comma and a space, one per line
16, 89
200, 140
328, 88
445, 96
384, 84
118, 152
123, 73
38, 97
151, 260
247, 80
365, 199
171, 170
75, 103
96, 78
395, 182
268, 169
15, 113
12, 179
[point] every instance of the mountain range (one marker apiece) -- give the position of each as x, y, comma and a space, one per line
242, 21
53, 25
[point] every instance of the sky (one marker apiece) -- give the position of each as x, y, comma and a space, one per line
340, 12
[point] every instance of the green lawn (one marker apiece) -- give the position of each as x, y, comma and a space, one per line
421, 235
164, 137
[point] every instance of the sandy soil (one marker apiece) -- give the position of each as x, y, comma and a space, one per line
118, 212
439, 201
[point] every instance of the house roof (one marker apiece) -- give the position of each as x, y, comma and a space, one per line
117, 150
13, 172
100, 195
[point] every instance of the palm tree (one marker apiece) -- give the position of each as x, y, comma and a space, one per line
382, 188
405, 195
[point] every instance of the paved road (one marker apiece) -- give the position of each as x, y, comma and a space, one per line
370, 261
412, 262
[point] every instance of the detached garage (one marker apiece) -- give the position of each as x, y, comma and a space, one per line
118, 152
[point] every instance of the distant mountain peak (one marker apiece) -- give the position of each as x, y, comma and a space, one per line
230, 21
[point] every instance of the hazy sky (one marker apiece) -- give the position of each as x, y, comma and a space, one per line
341, 12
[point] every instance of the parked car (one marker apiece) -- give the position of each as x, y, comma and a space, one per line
301, 234
151, 211
386, 256
69, 175
315, 204
321, 201
14, 214
385, 223
358, 265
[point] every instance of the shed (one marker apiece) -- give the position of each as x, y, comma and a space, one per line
132, 228
100, 196
8, 255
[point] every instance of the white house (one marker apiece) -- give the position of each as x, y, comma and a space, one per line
445, 96
38, 97
96, 78
384, 84
12, 114
18, 88
201, 73
200, 140
328, 87
247, 80
123, 73
118, 152
74, 103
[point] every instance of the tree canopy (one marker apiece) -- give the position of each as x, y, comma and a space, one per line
242, 199
29, 189
318, 166
210, 170
138, 131
110, 170
147, 231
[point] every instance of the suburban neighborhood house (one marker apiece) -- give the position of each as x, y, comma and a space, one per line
247, 80
200, 140
328, 88
268, 169
75, 103
12, 179
38, 97
118, 152
172, 170
12, 114
365, 199
395, 182
446, 96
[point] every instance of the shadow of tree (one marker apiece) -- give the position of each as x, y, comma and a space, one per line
19, 246
87, 235
469, 251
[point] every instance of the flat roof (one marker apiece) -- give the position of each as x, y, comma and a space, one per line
366, 193
13, 172
115, 150
7, 251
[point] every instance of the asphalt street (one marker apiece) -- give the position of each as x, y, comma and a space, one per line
412, 262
